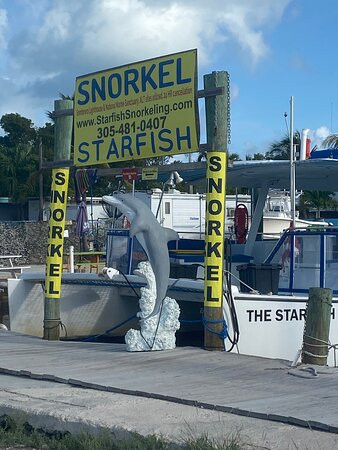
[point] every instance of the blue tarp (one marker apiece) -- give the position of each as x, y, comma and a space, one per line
325, 153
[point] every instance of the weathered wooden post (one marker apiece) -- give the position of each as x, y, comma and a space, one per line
217, 110
317, 326
62, 146
41, 199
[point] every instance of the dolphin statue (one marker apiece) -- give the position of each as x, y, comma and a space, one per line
152, 237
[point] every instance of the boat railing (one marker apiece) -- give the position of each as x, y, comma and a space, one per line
308, 258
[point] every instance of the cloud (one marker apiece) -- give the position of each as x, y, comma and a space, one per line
317, 136
96, 32
234, 91
3, 27
69, 38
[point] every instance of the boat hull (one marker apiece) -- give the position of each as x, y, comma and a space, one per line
271, 326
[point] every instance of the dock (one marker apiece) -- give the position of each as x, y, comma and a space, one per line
68, 385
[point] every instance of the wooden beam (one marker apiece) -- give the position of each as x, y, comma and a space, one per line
57, 164
210, 92
113, 171
62, 113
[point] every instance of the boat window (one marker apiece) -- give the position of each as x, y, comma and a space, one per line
167, 208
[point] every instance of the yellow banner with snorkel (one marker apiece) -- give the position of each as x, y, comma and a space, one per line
56, 227
214, 229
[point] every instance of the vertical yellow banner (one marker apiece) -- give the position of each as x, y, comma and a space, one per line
58, 205
214, 229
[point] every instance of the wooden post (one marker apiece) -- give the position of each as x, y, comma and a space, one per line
62, 144
216, 109
317, 326
41, 199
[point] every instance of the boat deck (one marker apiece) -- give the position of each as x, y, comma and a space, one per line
242, 385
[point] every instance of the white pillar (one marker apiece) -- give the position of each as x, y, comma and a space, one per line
71, 259
302, 154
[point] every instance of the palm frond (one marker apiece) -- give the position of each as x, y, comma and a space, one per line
331, 141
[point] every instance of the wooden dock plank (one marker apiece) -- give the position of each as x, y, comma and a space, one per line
216, 378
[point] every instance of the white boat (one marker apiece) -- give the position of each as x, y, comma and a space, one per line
91, 305
277, 215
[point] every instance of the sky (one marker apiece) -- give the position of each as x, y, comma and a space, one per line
272, 49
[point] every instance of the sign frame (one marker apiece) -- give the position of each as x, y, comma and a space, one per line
159, 96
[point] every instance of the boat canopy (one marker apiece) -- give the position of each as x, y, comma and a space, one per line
311, 174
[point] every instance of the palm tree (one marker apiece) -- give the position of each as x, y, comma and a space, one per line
331, 141
280, 150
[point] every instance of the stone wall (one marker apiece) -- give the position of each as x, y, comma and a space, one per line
29, 239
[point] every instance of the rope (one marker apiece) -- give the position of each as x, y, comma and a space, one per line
59, 324
324, 344
115, 327
254, 291
223, 334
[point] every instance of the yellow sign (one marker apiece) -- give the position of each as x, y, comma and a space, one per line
214, 229
58, 204
149, 173
142, 110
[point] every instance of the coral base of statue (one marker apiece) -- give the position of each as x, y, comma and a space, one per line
157, 332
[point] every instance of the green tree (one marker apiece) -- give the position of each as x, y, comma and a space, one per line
255, 157
18, 130
18, 157
319, 200
280, 149
18, 166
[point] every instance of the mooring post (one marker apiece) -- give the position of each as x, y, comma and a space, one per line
317, 326
62, 145
217, 114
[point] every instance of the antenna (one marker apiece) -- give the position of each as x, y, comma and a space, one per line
286, 123
331, 117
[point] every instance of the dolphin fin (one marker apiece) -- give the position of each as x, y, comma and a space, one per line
170, 234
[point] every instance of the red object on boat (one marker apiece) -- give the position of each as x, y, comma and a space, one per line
241, 223
308, 148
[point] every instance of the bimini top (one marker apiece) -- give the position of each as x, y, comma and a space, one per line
311, 174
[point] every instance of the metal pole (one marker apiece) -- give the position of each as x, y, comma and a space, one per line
292, 169
71, 258
130, 266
